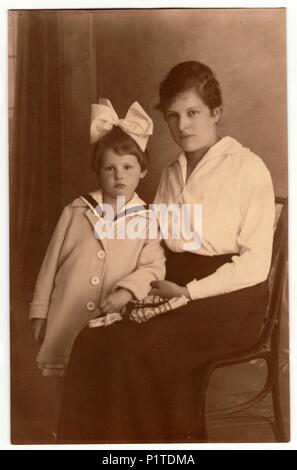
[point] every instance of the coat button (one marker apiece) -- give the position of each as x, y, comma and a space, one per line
94, 280
91, 306
101, 254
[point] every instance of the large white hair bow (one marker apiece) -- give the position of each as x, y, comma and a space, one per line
137, 124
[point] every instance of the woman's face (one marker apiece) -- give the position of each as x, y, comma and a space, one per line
191, 122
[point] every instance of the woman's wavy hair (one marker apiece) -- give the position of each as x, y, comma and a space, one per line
186, 75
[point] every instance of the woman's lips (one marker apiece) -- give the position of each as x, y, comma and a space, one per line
186, 136
120, 186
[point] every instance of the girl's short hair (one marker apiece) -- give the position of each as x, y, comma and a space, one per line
122, 144
186, 75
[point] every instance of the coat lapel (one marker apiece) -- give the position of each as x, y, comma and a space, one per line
94, 219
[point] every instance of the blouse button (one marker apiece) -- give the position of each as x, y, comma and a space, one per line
91, 306
94, 280
101, 254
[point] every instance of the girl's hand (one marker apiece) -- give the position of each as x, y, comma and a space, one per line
167, 289
38, 329
116, 301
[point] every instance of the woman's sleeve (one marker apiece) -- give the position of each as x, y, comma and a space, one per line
45, 282
255, 237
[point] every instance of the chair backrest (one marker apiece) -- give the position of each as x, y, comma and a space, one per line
277, 270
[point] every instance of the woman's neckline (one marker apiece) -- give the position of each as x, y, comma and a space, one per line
193, 161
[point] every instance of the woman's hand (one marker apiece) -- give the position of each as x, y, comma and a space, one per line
167, 289
38, 329
116, 301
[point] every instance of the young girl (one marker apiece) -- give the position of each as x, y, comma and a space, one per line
85, 275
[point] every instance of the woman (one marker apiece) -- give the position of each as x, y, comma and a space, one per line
144, 382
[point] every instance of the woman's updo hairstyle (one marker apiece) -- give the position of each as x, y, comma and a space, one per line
186, 75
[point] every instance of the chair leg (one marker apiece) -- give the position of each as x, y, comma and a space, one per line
278, 426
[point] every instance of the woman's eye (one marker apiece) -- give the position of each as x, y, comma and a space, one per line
108, 168
171, 116
193, 112
128, 167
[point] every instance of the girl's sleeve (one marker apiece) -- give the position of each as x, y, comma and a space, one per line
45, 282
150, 266
255, 238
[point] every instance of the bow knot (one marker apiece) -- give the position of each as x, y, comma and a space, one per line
137, 124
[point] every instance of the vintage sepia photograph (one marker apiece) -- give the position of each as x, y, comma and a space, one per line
148, 199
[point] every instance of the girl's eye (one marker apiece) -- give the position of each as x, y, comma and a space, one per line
193, 112
128, 167
108, 168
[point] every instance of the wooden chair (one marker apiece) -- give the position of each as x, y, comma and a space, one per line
267, 345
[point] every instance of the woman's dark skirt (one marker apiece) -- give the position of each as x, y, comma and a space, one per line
133, 382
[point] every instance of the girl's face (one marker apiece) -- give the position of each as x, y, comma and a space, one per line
119, 174
191, 122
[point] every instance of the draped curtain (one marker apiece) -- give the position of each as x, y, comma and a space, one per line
49, 166
38, 190
50, 162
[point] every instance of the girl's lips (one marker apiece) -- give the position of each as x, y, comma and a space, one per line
120, 186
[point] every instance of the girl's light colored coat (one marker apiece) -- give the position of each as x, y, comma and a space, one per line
80, 270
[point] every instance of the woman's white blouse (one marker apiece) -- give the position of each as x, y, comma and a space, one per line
236, 194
